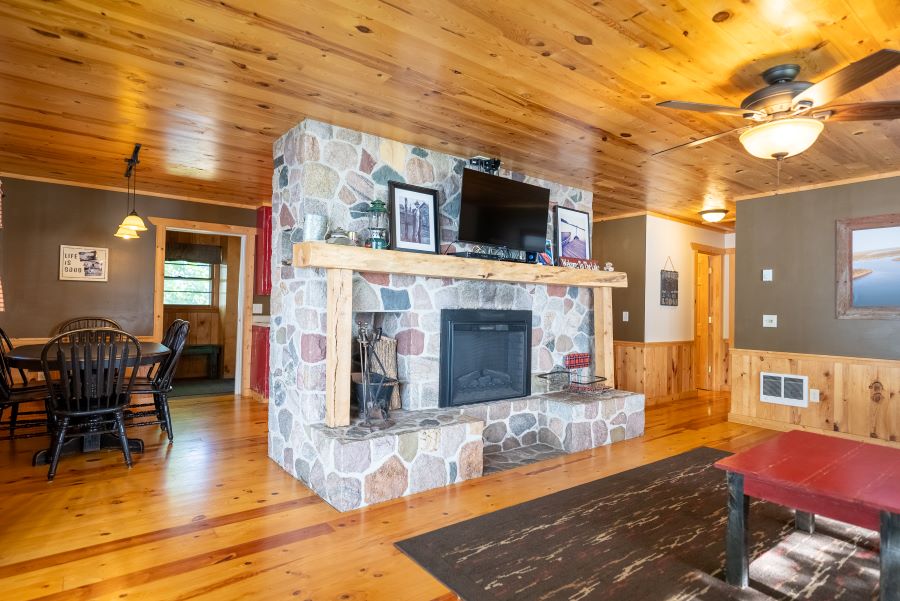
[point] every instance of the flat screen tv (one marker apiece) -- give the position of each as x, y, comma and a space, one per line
503, 212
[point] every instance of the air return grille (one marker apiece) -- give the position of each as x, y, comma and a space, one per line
784, 389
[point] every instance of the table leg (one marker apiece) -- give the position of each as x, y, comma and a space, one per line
805, 522
890, 556
737, 563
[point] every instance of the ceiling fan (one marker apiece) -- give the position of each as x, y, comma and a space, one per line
789, 115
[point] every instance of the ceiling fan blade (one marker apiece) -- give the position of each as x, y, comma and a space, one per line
849, 78
700, 107
693, 143
863, 111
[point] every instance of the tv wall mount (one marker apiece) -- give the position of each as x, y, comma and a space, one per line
485, 164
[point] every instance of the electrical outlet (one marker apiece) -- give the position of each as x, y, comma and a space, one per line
770, 321
767, 275
813, 395
257, 308
624, 315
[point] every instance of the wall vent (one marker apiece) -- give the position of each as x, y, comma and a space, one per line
784, 389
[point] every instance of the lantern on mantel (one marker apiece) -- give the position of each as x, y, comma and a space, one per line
378, 225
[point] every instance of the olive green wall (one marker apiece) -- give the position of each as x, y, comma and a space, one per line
39, 217
794, 234
624, 242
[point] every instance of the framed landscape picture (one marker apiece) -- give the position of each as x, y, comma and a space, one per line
573, 233
413, 212
83, 263
868, 267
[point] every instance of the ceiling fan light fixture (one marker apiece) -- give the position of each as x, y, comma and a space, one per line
713, 215
781, 138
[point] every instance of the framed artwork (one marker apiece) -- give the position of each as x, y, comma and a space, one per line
573, 233
668, 288
867, 273
83, 263
413, 212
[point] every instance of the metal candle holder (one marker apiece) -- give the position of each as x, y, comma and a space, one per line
373, 406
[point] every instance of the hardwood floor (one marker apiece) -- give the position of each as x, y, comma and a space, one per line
210, 517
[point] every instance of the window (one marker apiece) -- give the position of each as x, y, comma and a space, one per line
188, 283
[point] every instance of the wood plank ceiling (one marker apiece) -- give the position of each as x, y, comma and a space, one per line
563, 89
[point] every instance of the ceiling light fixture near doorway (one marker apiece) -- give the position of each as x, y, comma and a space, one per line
781, 138
713, 215
132, 224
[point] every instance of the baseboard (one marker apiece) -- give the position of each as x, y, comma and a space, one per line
771, 424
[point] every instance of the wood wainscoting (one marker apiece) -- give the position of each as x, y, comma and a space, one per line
858, 398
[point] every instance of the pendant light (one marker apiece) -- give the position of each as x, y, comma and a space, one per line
132, 224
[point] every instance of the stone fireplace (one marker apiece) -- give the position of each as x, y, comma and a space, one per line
337, 172
485, 356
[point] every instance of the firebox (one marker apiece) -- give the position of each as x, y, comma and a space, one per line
485, 356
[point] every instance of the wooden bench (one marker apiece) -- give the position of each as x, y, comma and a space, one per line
212, 352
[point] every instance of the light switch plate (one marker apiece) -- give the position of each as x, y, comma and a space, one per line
767, 275
624, 315
770, 321
257, 308
813, 395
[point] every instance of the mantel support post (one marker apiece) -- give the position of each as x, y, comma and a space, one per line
604, 360
338, 346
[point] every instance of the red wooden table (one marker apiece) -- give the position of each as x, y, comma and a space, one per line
854, 482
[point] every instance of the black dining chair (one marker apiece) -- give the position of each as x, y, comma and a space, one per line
89, 385
158, 382
12, 396
5, 347
84, 323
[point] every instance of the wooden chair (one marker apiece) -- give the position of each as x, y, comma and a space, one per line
13, 394
159, 380
5, 347
84, 323
89, 385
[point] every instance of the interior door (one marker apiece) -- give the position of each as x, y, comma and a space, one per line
703, 343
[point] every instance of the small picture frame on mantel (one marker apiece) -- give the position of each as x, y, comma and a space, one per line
572, 233
413, 216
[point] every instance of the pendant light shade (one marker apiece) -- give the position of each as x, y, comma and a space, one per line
781, 138
126, 233
134, 222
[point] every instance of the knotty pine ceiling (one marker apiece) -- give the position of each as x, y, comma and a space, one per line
561, 89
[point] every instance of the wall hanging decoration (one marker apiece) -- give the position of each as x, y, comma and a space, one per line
83, 263
668, 285
868, 267
573, 233
413, 216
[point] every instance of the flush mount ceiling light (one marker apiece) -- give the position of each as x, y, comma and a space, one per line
713, 215
781, 138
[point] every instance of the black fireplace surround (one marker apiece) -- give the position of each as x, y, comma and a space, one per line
485, 356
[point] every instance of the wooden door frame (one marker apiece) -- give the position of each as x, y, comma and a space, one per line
248, 257
716, 284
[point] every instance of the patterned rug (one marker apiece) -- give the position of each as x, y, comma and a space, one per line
655, 532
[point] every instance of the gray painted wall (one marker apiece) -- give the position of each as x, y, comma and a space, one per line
794, 234
624, 242
38, 217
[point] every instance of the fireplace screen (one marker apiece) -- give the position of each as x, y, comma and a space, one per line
485, 356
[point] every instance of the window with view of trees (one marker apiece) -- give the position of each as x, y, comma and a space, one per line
188, 283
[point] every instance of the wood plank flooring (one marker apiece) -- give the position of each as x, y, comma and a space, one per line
210, 517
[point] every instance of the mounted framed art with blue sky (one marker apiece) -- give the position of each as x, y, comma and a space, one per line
868, 267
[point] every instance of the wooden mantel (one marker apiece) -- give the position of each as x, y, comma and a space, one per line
341, 261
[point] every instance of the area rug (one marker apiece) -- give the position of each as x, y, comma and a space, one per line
201, 387
654, 532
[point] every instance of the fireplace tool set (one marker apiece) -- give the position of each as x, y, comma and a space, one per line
575, 377
373, 391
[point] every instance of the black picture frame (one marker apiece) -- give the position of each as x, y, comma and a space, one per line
580, 220
402, 237
668, 288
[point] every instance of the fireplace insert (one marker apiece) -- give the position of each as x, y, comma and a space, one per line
485, 356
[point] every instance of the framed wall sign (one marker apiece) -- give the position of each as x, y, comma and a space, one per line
668, 285
83, 263
573, 233
413, 215
868, 267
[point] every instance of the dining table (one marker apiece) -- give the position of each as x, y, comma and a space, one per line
28, 357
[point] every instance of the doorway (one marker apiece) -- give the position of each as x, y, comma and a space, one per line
709, 347
203, 275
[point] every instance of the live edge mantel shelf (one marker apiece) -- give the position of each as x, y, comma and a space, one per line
340, 262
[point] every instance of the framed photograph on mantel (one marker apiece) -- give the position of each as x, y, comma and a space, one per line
413, 211
573, 233
83, 263
867, 273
